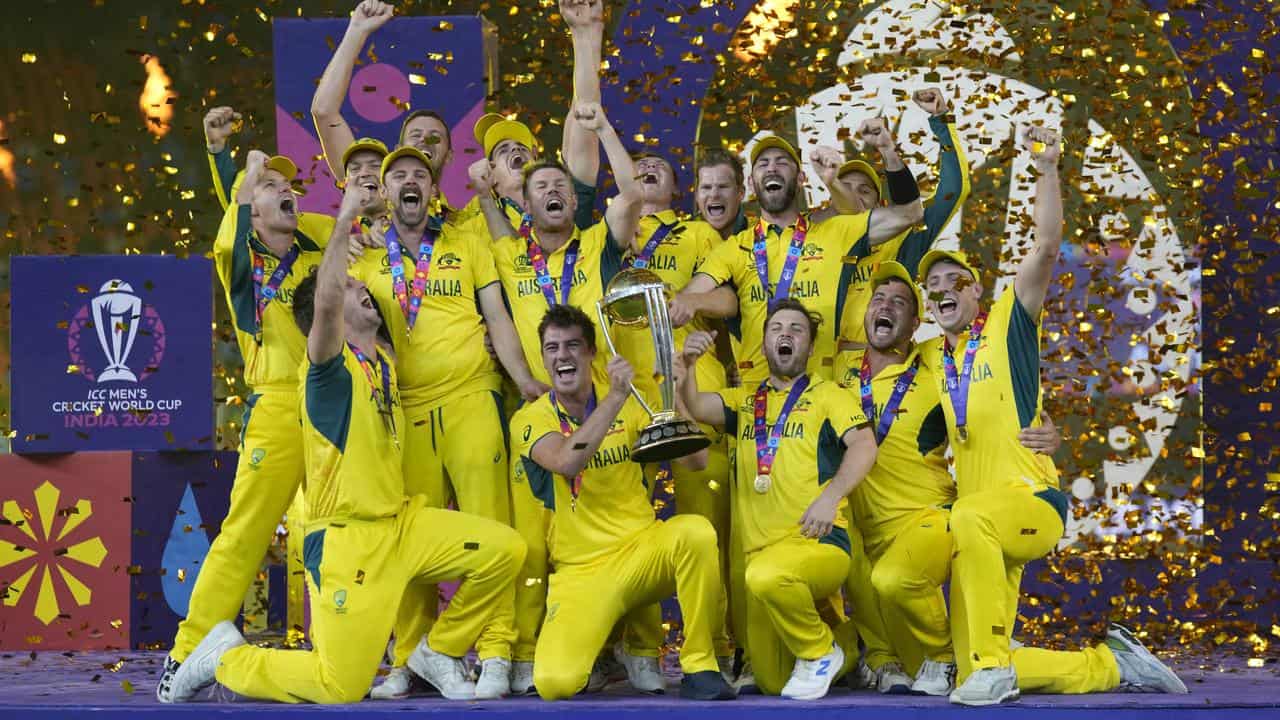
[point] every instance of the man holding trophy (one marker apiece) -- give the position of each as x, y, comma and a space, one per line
581, 446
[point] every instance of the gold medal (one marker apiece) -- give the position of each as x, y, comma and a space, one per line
963, 432
763, 483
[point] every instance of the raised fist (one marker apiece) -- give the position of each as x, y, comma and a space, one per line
219, 124
931, 101
481, 177
826, 162
590, 116
579, 14
369, 16
875, 133
1044, 144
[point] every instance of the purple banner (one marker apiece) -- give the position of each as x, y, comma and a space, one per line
112, 353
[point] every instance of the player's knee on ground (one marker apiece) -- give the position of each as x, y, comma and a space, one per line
341, 690
557, 683
696, 534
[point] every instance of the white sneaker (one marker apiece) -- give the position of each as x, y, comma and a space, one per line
446, 673
395, 686
521, 677
892, 680
861, 677
934, 678
495, 679
726, 667
642, 672
811, 679
1140, 671
988, 686
197, 673
164, 686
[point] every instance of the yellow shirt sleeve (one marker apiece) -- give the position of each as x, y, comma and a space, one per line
844, 411
724, 263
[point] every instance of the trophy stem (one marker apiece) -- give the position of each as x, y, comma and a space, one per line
613, 349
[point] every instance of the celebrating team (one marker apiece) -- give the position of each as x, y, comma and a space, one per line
400, 335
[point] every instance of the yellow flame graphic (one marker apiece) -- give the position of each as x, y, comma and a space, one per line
157, 97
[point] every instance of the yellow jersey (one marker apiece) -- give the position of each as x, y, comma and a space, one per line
911, 472
1004, 397
820, 280
444, 357
613, 504
808, 455
272, 349
598, 260
470, 218
351, 415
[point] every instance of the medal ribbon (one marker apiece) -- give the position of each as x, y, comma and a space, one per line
539, 262
641, 260
383, 398
263, 295
566, 429
411, 299
767, 439
900, 389
958, 385
761, 253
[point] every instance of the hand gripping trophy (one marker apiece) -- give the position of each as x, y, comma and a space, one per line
638, 298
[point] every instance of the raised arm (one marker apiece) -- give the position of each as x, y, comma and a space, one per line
219, 124
859, 455
506, 343
826, 163
567, 456
623, 214
579, 146
953, 167
887, 222
1036, 270
327, 330
706, 408
495, 218
326, 104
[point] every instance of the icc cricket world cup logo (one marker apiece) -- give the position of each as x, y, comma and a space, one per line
116, 312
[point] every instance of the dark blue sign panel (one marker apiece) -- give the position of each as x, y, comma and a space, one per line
112, 353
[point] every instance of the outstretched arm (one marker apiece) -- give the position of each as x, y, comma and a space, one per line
495, 218
326, 104
826, 163
1032, 281
327, 331
506, 343
579, 146
889, 221
567, 456
624, 211
219, 124
953, 167
706, 408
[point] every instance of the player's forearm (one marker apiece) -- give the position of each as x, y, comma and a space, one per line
577, 450
624, 171
953, 177
223, 170
326, 104
506, 343
1036, 270
719, 302
495, 218
705, 408
889, 222
859, 457
326, 336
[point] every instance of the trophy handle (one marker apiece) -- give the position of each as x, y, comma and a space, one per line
663, 347
604, 329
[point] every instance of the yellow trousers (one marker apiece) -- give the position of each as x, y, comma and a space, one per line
706, 493
585, 602
268, 473
456, 452
785, 583
866, 613
356, 573
907, 578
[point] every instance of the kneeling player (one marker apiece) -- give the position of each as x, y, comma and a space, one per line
364, 542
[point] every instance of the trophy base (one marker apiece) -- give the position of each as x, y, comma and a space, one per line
668, 440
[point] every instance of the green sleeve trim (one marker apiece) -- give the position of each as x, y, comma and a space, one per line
830, 452
224, 175
541, 482
730, 421
933, 431
328, 399
1024, 362
584, 216
610, 257
241, 280
838, 537
953, 190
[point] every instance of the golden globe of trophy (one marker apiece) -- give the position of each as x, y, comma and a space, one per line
637, 298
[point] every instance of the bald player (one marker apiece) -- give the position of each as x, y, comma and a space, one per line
785, 255
1009, 509
261, 256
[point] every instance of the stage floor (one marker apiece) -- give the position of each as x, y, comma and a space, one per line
112, 685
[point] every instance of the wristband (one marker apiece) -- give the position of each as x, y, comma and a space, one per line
902, 186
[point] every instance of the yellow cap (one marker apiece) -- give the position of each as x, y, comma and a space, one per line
864, 168
363, 144
955, 256
492, 129
284, 166
405, 151
773, 141
894, 270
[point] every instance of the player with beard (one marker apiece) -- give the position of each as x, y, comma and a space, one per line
785, 255
553, 262
900, 509
612, 557
437, 286
1009, 509
261, 256
803, 446
365, 540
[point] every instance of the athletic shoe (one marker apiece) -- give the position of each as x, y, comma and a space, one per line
642, 672
726, 667
495, 679
444, 672
746, 682
197, 673
892, 680
395, 686
861, 677
521, 677
1140, 671
706, 685
164, 686
934, 678
988, 686
811, 679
